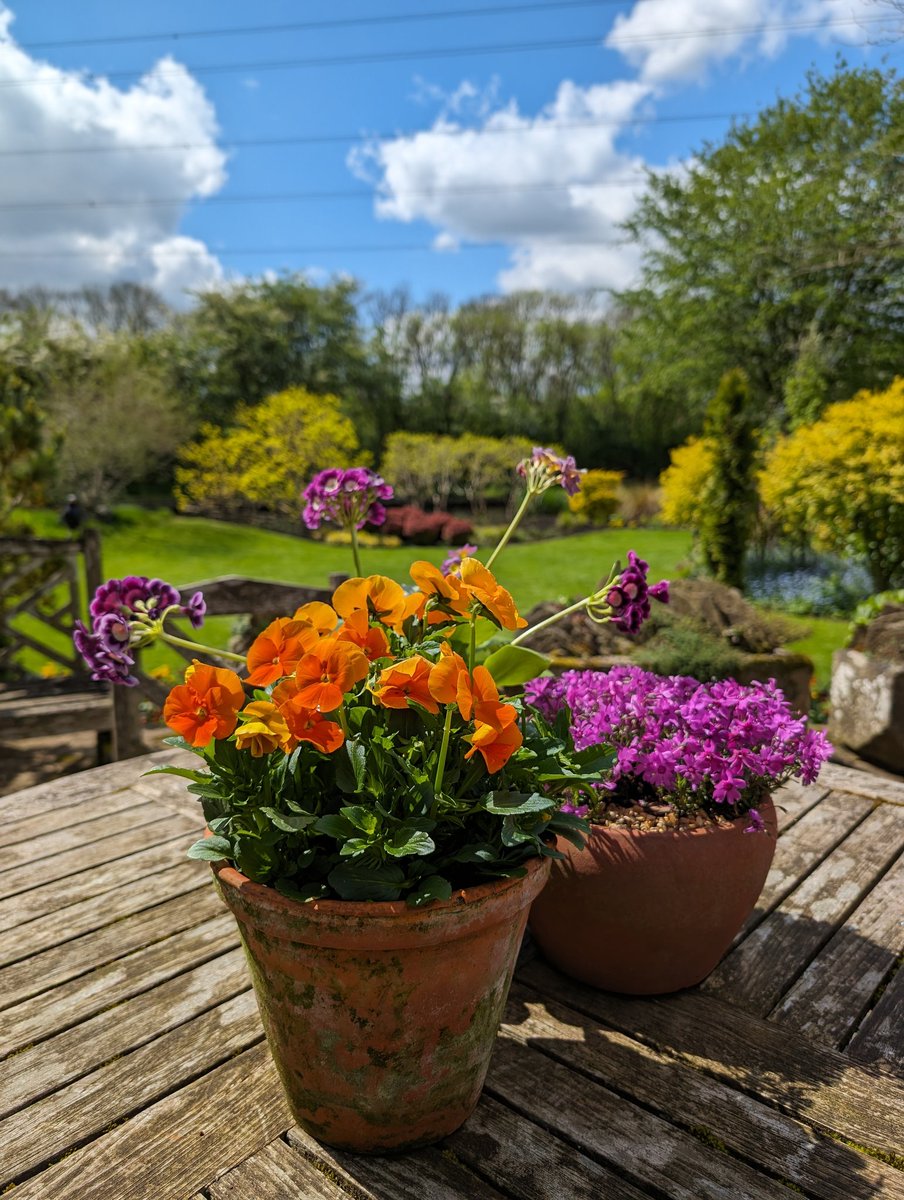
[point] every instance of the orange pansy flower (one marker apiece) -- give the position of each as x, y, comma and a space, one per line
264, 729
448, 589
206, 706
482, 585
329, 670
404, 681
371, 639
276, 652
498, 742
308, 725
377, 596
323, 618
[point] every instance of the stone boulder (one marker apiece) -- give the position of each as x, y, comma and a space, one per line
868, 705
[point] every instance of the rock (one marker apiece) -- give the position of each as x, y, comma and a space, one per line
868, 707
883, 637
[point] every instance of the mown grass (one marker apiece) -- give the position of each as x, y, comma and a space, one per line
187, 550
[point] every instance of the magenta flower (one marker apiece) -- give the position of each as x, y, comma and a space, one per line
351, 498
629, 598
545, 468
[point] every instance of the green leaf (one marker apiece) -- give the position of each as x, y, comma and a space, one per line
219, 824
211, 849
336, 827
434, 887
511, 804
406, 841
351, 767
182, 772
180, 743
511, 665
362, 818
290, 822
366, 881
303, 893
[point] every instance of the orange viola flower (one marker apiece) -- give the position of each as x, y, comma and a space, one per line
482, 585
309, 725
404, 681
264, 729
452, 683
370, 639
446, 676
377, 596
329, 670
317, 614
276, 652
448, 589
496, 743
206, 706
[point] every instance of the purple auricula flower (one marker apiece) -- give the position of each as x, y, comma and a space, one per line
351, 498
453, 559
106, 659
134, 593
545, 468
196, 610
718, 745
629, 596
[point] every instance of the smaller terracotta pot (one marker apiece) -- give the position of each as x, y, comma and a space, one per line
646, 912
382, 1018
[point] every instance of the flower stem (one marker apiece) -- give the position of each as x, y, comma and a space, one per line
513, 525
353, 528
566, 612
443, 750
472, 645
211, 650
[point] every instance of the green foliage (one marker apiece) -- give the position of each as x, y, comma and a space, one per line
683, 648
874, 606
838, 484
684, 483
26, 454
269, 455
745, 253
807, 384
598, 498
730, 496
426, 467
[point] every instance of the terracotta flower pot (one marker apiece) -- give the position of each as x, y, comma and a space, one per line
381, 1018
648, 912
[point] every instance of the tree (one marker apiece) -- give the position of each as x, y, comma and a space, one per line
26, 455
793, 223
730, 497
685, 481
807, 384
269, 454
838, 484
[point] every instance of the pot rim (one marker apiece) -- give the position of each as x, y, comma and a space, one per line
766, 806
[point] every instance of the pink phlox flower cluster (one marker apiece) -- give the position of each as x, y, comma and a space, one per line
728, 743
351, 498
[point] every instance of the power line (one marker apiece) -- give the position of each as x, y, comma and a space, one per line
360, 248
387, 135
381, 56
328, 23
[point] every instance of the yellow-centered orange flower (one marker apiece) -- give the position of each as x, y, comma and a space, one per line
317, 614
448, 589
308, 725
496, 742
206, 706
452, 683
404, 681
377, 596
329, 670
277, 651
370, 639
483, 587
262, 729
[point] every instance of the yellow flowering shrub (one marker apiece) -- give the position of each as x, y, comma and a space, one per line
598, 498
268, 455
684, 482
838, 484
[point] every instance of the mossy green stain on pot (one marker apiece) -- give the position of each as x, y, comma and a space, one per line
382, 1019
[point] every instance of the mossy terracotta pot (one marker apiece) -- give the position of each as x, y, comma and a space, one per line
645, 912
381, 1018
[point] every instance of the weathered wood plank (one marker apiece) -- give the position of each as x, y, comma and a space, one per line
30, 827
880, 1039
758, 972
68, 789
814, 1084
87, 833
64, 1006
830, 997
34, 975
82, 858
795, 799
172, 791
72, 889
650, 1151
862, 783
178, 1145
57, 928
529, 1162
710, 1109
63, 714
804, 846
428, 1174
52, 1064
84, 1108
274, 1173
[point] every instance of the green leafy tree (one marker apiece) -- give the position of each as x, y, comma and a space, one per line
791, 224
807, 384
728, 514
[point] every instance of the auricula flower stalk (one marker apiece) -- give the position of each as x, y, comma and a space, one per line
351, 499
543, 470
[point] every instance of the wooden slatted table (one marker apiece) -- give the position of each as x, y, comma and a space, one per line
133, 1065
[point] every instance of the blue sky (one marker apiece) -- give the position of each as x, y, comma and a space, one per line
522, 165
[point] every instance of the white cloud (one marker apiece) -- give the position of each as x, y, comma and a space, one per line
51, 234
492, 182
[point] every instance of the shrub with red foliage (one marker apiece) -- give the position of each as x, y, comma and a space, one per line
413, 524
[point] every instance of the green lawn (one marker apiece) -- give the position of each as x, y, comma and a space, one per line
186, 550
